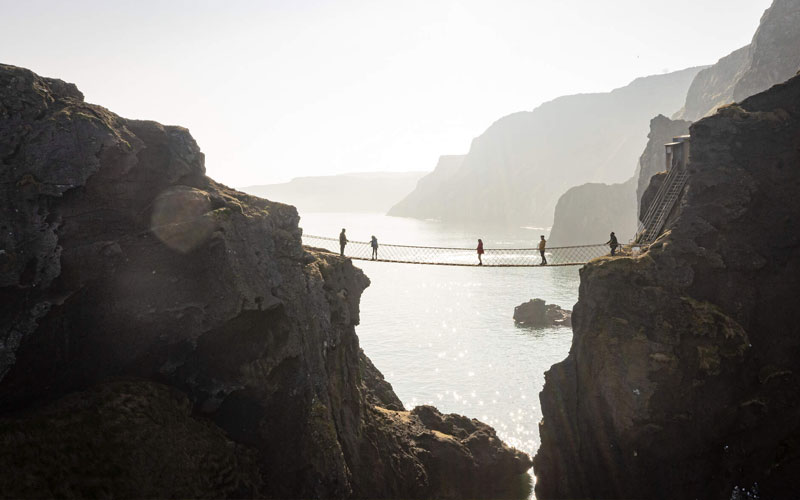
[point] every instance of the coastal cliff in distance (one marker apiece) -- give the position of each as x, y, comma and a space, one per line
683, 379
424, 198
516, 170
374, 192
588, 213
772, 57
162, 335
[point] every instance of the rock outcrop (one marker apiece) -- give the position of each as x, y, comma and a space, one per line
683, 379
517, 169
537, 314
588, 213
654, 157
773, 56
162, 335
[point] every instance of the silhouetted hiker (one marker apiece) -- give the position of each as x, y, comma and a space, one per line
612, 242
480, 252
542, 245
342, 242
374, 244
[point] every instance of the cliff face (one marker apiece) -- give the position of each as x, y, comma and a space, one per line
515, 171
425, 198
772, 57
774, 54
713, 87
588, 213
163, 335
683, 379
654, 157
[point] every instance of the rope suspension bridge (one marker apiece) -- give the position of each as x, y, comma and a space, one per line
651, 227
460, 256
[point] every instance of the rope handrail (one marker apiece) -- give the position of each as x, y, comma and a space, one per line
575, 255
472, 249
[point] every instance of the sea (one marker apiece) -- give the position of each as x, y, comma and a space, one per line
444, 335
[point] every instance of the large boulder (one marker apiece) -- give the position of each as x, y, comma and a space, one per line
683, 379
162, 335
536, 313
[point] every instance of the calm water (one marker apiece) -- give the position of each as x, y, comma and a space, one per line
445, 335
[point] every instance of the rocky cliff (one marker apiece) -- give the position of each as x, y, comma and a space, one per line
588, 213
425, 197
772, 57
162, 335
774, 54
713, 87
654, 157
683, 380
516, 170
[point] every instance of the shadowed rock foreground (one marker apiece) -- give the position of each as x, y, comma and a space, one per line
162, 335
683, 380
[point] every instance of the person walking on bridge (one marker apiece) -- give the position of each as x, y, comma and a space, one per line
374, 244
342, 242
480, 252
542, 246
612, 242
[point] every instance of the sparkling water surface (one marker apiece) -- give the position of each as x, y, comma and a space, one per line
445, 335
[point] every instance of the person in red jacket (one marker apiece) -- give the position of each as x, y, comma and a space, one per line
480, 252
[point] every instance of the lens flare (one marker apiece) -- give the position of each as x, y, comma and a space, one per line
181, 219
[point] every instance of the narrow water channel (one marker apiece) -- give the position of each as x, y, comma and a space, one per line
445, 335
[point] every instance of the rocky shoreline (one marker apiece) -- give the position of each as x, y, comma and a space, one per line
166, 336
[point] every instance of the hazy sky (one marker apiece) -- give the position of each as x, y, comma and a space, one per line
277, 89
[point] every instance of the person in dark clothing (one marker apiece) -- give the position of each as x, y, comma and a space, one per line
542, 246
342, 242
374, 244
480, 252
612, 242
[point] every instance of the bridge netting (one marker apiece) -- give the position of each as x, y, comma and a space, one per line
459, 256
